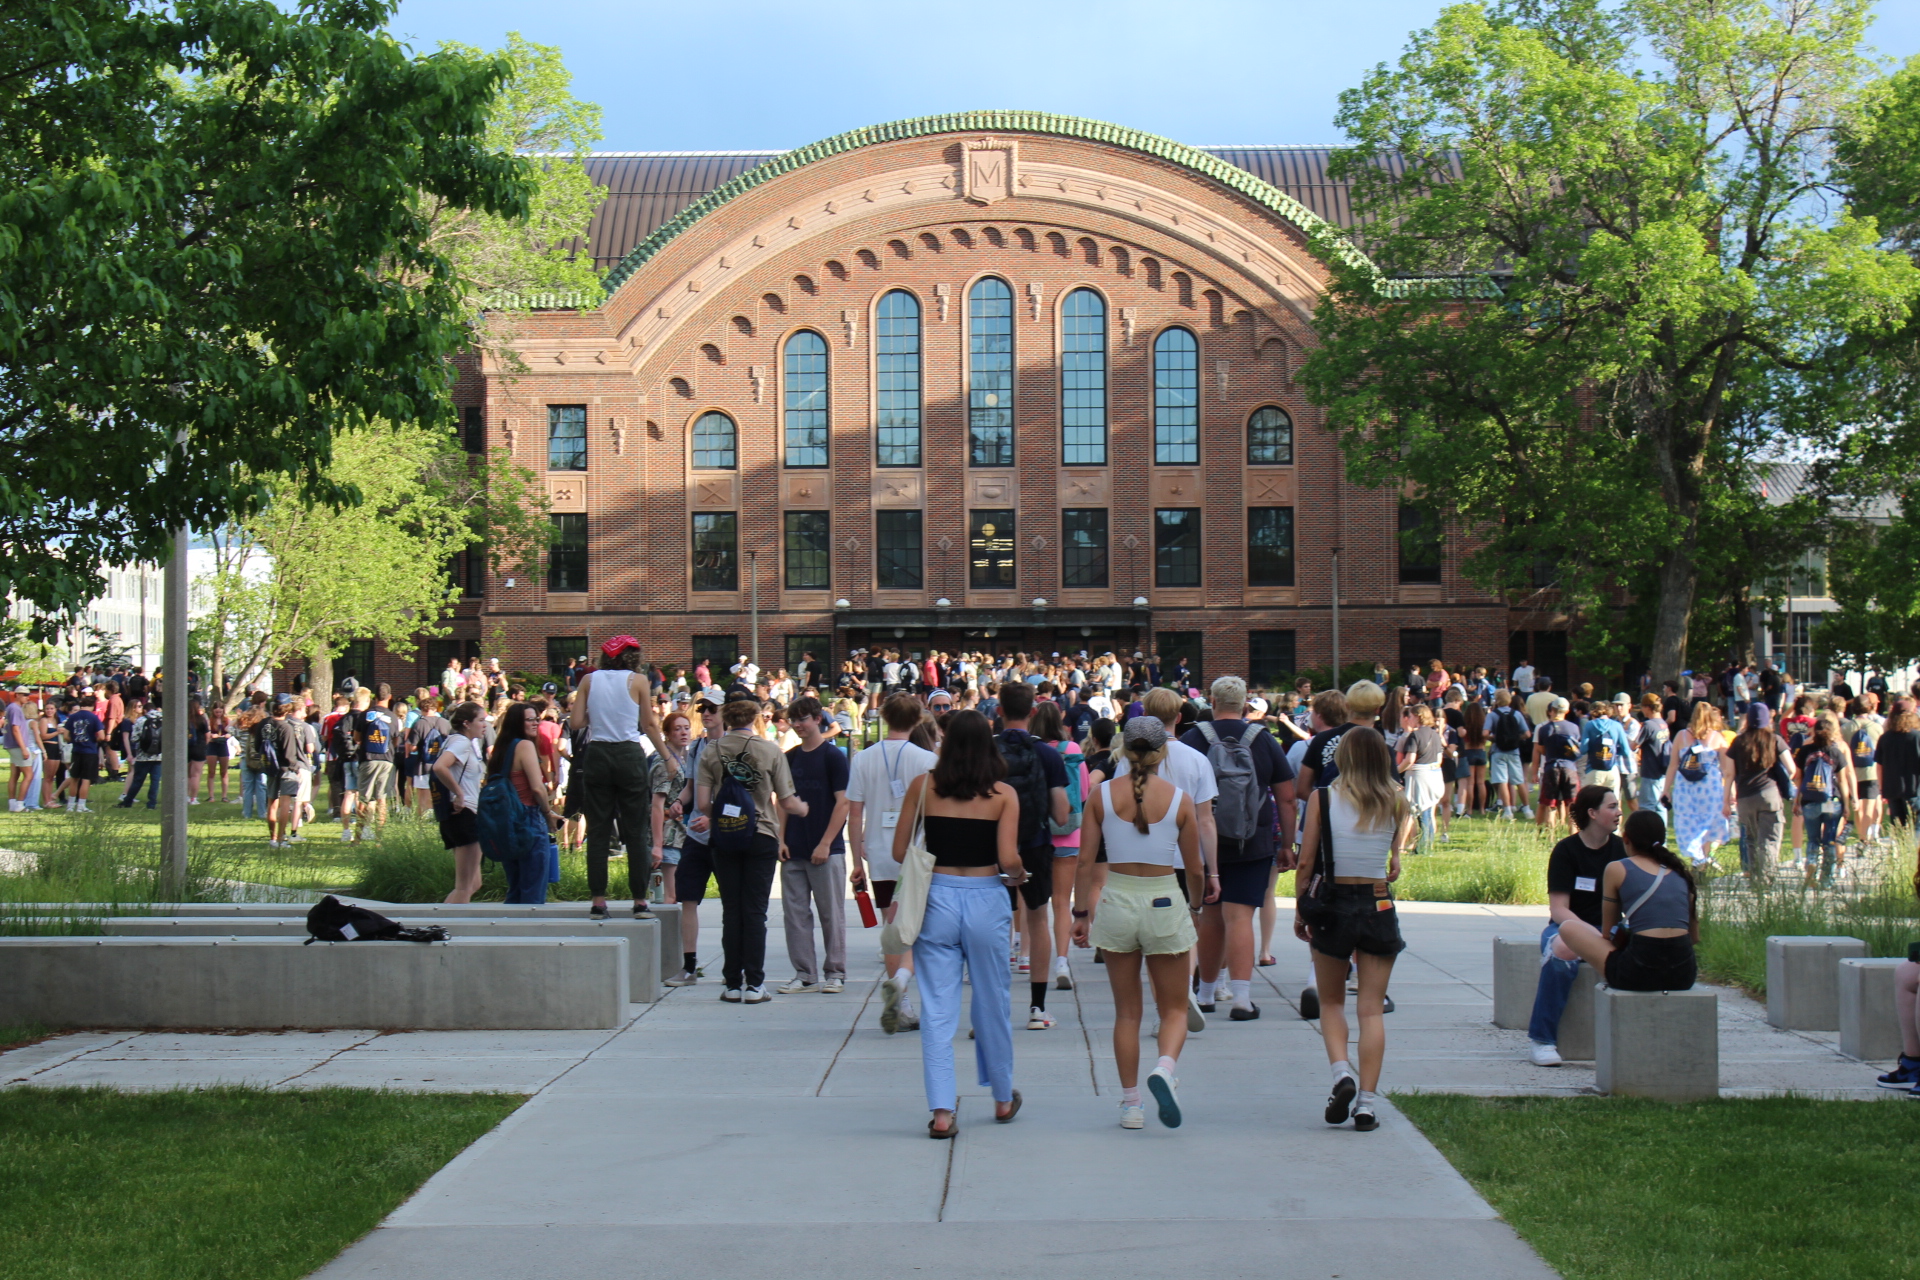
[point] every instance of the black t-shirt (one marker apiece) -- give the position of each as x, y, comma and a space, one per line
1575, 870
1817, 786
1319, 756
1270, 768
1080, 718
1899, 755
817, 775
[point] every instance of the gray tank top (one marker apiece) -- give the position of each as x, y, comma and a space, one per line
1665, 909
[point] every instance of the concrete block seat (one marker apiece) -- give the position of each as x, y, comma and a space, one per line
1803, 980
1869, 1028
1516, 979
266, 983
1657, 1044
643, 951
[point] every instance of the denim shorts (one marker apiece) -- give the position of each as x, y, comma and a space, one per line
1354, 921
349, 775
670, 855
1505, 766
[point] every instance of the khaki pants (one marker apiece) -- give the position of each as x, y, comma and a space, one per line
804, 889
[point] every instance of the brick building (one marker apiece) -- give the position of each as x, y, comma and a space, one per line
995, 381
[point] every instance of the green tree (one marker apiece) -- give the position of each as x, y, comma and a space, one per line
1594, 240
214, 257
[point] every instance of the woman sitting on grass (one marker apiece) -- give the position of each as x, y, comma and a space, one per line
1652, 893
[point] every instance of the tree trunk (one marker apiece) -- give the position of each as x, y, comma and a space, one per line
320, 675
1679, 579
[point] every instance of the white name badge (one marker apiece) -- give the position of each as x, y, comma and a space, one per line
729, 810
1585, 884
890, 818
899, 788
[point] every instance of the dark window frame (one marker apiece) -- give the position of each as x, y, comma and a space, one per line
1268, 565
719, 544
990, 373
898, 381
1278, 438
1420, 532
566, 450
1085, 565
1176, 408
805, 402
893, 543
991, 557
1265, 649
797, 560
567, 553
1083, 381
1177, 554
732, 449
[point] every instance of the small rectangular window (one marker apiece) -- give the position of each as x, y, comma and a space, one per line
473, 429
716, 551
718, 652
1419, 546
990, 550
806, 550
1270, 658
567, 554
471, 566
560, 651
1083, 547
566, 437
1177, 647
1419, 646
821, 647
1270, 546
1176, 547
897, 550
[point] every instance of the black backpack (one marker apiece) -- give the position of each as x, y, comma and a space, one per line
1028, 778
1508, 731
331, 920
151, 737
734, 819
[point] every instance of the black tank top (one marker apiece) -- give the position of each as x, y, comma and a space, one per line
962, 842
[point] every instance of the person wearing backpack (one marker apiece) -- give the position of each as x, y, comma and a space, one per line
1655, 742
1556, 762
515, 761
1826, 780
282, 751
370, 726
1861, 733
424, 740
1038, 777
1604, 750
1049, 725
1762, 784
1253, 800
148, 740
740, 779
339, 752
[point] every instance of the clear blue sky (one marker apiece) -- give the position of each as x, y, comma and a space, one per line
740, 74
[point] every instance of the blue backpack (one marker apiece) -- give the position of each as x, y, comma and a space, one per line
509, 830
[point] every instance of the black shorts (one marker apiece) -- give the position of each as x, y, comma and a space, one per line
691, 874
85, 766
1557, 785
1038, 890
462, 826
1354, 921
1652, 964
1866, 790
882, 893
1449, 771
1246, 882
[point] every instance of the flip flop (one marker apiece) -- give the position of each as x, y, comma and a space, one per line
1012, 1111
1266, 961
952, 1127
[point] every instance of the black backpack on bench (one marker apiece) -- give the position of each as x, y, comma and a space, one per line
332, 920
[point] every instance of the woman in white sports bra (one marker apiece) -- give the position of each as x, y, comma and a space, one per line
1147, 827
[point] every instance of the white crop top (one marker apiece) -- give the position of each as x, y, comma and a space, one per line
1159, 846
1355, 852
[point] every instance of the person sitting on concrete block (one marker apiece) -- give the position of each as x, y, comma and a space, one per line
1651, 895
1574, 871
1906, 1007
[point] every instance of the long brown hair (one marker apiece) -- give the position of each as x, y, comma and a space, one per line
1474, 732
1755, 749
1143, 762
513, 730
969, 765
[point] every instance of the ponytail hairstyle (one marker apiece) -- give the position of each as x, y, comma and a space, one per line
1646, 833
1145, 740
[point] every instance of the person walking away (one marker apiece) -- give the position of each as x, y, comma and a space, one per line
1651, 893
696, 857
374, 734
148, 741
666, 777
1699, 786
1049, 725
1826, 780
199, 729
84, 734
1253, 812
1651, 752
813, 855
1419, 763
745, 857
970, 818
516, 757
424, 740
1574, 870
1556, 762
1605, 750
878, 785
1762, 782
614, 707
278, 746
1038, 777
1509, 731
1861, 733
458, 772
253, 785
1896, 758
1363, 823
1145, 827
1474, 747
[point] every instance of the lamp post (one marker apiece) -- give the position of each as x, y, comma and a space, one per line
753, 597
1335, 683
173, 723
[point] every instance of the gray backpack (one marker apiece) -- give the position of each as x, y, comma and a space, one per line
1236, 810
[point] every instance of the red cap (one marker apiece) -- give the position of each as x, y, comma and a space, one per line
618, 645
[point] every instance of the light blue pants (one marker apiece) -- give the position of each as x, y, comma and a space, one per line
253, 793
968, 919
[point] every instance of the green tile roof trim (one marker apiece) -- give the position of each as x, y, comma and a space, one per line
1321, 234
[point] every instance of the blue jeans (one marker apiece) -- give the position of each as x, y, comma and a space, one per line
1556, 985
147, 771
967, 921
527, 878
1822, 820
253, 793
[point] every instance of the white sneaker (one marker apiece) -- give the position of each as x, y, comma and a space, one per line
1039, 1020
1023, 965
1162, 1085
798, 986
1545, 1055
732, 995
1062, 975
755, 995
1196, 1020
14, 806
684, 978
833, 985
346, 836
1133, 1116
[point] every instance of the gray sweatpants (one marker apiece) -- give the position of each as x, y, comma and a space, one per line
804, 890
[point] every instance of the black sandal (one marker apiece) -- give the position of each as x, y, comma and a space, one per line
934, 1132
1012, 1110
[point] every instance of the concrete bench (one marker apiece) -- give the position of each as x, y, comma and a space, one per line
263, 983
1869, 1028
1516, 980
1657, 1044
643, 952
1803, 980
667, 917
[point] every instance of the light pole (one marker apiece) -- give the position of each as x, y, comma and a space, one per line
173, 722
753, 598
1335, 682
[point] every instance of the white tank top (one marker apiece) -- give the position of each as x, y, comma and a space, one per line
1159, 846
1356, 852
612, 716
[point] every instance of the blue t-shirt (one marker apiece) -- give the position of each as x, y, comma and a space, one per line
817, 776
1601, 729
1559, 744
1080, 718
84, 727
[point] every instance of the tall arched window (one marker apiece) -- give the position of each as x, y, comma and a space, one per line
805, 384
1270, 436
1176, 398
1083, 380
990, 384
713, 442
896, 354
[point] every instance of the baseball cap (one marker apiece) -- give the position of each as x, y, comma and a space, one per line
618, 645
713, 697
1256, 707
1622, 700
1146, 731
1559, 704
282, 699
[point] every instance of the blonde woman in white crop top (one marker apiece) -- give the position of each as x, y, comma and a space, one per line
1148, 827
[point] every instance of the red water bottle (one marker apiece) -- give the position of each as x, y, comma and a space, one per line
864, 901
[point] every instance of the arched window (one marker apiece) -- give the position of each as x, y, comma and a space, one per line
990, 385
1270, 437
713, 442
1083, 380
896, 354
1176, 398
805, 384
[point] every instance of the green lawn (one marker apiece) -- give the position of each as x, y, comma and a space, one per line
215, 1184
1735, 1189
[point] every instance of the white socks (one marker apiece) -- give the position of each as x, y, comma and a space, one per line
1366, 1099
1342, 1068
1166, 1064
1130, 1097
1242, 987
14, 806
1206, 992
